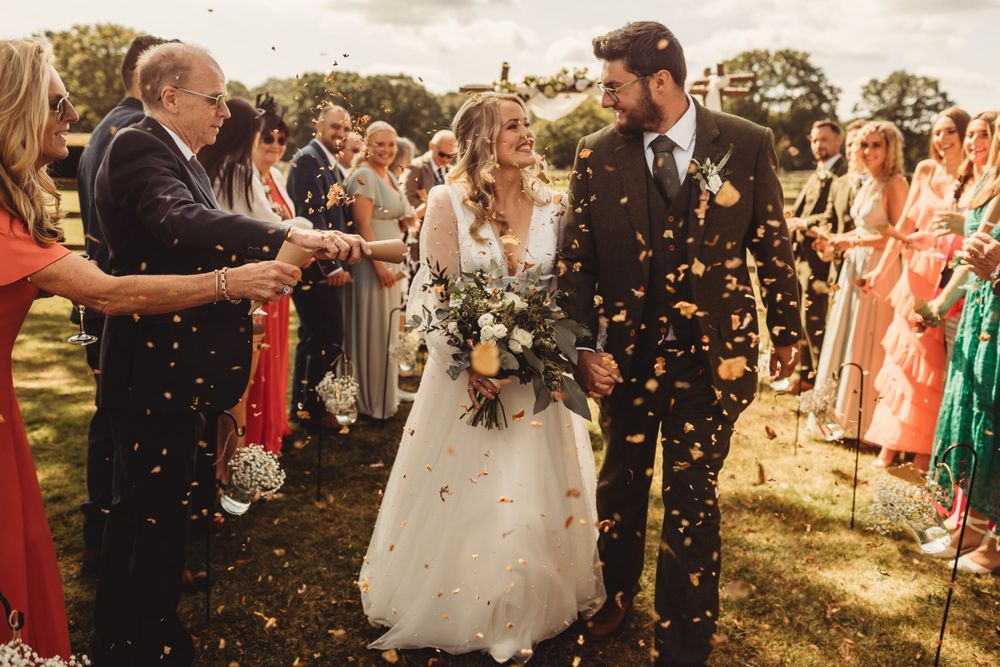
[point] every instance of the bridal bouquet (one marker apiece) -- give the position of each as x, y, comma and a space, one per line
252, 470
507, 327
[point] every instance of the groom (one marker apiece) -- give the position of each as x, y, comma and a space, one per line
656, 266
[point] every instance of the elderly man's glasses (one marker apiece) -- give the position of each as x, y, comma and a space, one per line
61, 108
447, 156
217, 100
612, 92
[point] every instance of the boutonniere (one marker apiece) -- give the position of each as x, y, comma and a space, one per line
712, 182
824, 175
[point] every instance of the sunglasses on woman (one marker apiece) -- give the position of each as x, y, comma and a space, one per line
270, 139
61, 108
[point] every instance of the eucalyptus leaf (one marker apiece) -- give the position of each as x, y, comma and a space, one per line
575, 399
533, 361
542, 396
566, 341
508, 362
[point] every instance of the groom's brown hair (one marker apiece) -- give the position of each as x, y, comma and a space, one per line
646, 47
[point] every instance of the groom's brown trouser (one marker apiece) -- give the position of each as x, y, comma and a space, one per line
683, 406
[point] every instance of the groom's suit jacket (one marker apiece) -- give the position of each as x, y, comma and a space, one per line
606, 249
159, 216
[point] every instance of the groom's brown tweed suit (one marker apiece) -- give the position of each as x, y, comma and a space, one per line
628, 258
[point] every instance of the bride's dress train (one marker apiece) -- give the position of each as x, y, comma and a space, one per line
485, 540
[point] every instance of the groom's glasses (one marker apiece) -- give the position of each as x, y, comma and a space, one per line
612, 92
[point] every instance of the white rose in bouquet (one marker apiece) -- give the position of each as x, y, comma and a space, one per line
486, 320
519, 339
512, 298
499, 331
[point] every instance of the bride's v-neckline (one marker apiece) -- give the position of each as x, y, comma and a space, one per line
528, 236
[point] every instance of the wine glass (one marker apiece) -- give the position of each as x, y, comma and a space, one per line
81, 337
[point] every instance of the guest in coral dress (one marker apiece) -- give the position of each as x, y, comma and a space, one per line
35, 264
911, 380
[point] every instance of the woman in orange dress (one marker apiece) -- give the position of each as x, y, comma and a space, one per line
35, 116
911, 380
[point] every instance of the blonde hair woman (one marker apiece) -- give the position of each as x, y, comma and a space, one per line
492, 211
378, 210
858, 320
36, 114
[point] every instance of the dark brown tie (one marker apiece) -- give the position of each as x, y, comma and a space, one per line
665, 174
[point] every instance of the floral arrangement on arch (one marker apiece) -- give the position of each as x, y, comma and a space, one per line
563, 81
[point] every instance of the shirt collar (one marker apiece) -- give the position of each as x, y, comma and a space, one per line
185, 149
683, 131
326, 151
829, 162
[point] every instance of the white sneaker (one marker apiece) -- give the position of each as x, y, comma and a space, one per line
405, 396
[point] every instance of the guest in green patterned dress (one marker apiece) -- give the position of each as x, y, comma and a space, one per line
969, 410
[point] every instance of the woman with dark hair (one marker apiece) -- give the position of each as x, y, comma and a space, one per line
239, 189
35, 114
911, 379
267, 418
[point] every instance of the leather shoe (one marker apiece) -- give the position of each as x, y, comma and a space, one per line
608, 619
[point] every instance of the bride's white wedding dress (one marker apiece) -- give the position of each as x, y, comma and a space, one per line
485, 540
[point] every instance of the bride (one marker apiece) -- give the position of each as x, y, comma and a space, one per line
486, 539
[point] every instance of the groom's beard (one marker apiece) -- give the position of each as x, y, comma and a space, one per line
645, 116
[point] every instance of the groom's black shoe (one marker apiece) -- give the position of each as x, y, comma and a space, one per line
608, 620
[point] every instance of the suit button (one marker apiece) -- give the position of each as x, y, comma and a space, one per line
672, 247
631, 332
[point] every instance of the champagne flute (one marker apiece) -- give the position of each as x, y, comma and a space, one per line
81, 337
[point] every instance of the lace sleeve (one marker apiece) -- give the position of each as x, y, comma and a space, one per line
438, 248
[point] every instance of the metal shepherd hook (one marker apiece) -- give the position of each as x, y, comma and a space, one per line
941, 465
857, 439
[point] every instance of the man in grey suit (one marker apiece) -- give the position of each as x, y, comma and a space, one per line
665, 205
808, 214
430, 168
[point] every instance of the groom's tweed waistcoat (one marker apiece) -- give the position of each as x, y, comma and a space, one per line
668, 271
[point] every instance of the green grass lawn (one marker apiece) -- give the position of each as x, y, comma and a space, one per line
799, 587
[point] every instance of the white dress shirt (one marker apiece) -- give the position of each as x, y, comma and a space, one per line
185, 149
682, 133
829, 162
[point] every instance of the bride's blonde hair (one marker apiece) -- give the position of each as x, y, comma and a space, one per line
476, 126
27, 192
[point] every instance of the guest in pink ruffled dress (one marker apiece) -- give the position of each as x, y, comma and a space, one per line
911, 380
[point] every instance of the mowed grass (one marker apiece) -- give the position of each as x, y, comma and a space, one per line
799, 587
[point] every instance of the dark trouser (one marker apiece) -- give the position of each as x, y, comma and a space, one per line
145, 541
814, 312
321, 337
100, 452
695, 443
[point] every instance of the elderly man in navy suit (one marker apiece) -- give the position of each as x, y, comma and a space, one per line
164, 377
314, 186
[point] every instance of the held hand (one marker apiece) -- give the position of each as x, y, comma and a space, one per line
596, 373
331, 245
339, 279
783, 361
948, 222
921, 240
795, 225
480, 385
867, 282
841, 243
262, 281
385, 276
981, 252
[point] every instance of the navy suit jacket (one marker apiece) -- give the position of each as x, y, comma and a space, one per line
125, 113
309, 182
159, 216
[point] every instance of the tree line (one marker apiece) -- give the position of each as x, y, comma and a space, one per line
790, 92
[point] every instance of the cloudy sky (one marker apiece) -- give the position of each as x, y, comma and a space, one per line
448, 43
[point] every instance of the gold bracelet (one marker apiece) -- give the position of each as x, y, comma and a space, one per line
225, 290
217, 284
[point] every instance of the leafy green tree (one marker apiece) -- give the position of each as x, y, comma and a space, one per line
89, 59
790, 92
910, 102
557, 140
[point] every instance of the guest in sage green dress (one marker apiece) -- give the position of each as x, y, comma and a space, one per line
969, 410
379, 206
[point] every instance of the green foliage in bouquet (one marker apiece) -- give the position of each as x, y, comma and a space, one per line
507, 327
